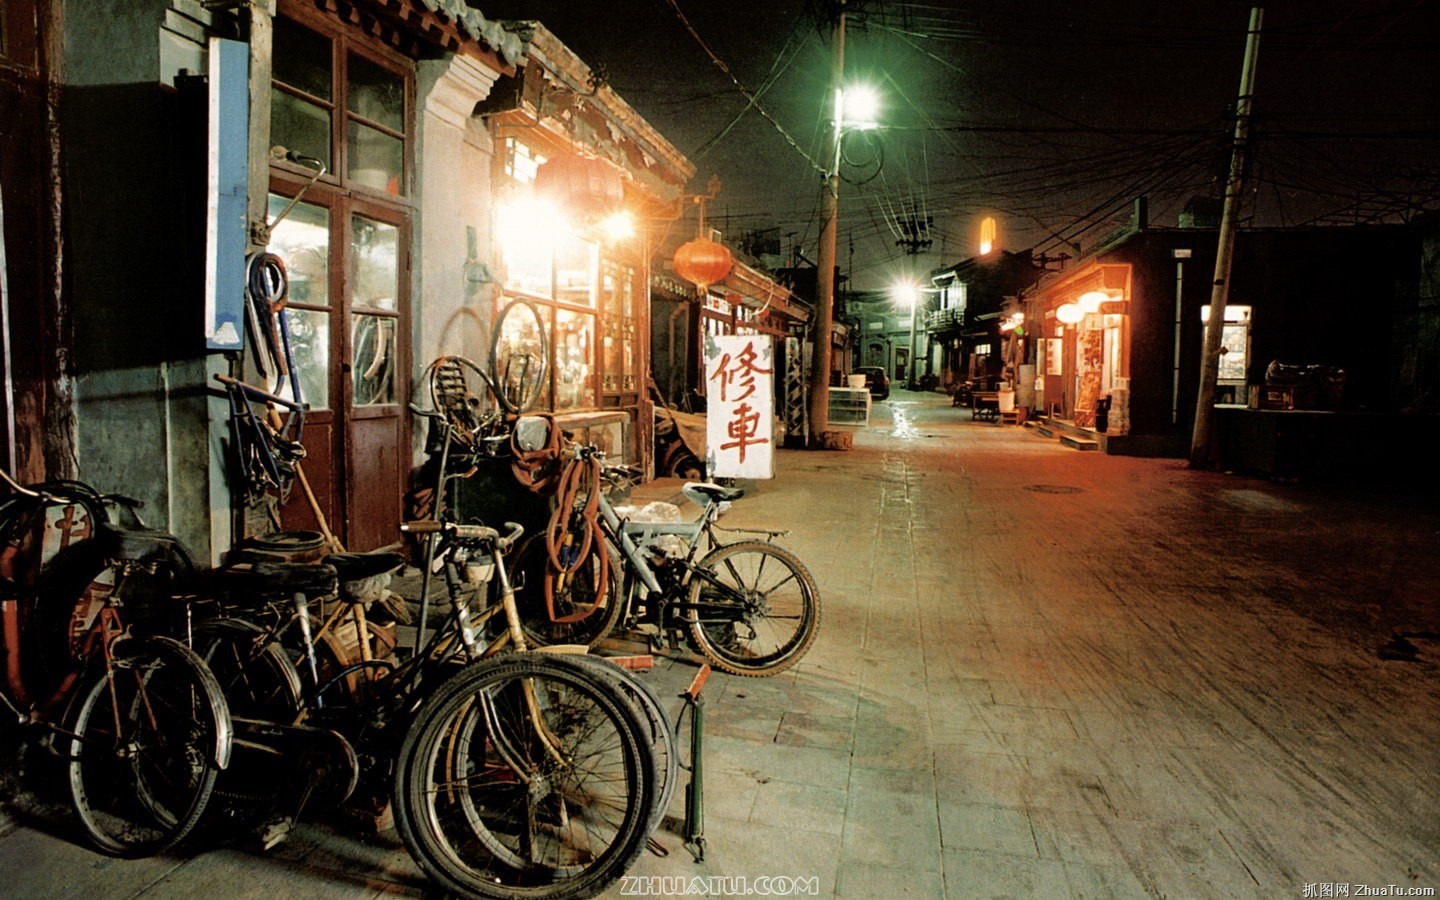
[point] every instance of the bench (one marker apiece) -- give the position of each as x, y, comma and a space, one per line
985, 405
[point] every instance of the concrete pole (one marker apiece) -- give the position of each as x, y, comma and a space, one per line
1219, 293
914, 364
825, 274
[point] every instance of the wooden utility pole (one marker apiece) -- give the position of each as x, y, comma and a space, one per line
1220, 289
825, 266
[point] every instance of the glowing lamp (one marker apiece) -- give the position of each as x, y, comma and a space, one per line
703, 262
1090, 302
586, 185
1069, 313
987, 235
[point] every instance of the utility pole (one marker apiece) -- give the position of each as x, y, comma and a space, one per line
1219, 293
825, 267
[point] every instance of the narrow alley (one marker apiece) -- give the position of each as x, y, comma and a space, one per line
1040, 673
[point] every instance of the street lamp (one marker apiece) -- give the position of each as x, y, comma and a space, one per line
910, 294
829, 225
854, 111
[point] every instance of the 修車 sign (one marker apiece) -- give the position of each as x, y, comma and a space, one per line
740, 415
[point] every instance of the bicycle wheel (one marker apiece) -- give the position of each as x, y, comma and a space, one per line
148, 744
525, 776
519, 357
574, 596
757, 610
254, 672
664, 741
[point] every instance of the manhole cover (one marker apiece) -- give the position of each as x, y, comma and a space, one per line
1052, 489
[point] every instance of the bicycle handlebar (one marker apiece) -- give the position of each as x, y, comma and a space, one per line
466, 532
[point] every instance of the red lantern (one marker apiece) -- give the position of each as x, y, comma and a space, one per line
585, 185
703, 262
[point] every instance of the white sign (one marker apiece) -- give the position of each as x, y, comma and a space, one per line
740, 415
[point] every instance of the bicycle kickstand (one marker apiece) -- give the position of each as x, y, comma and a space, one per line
695, 790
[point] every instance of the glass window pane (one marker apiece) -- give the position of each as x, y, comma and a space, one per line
529, 255
376, 93
575, 264
300, 125
377, 160
301, 59
574, 360
374, 264
374, 371
310, 345
302, 240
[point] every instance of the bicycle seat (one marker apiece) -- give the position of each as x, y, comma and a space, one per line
714, 492
264, 580
359, 566
140, 545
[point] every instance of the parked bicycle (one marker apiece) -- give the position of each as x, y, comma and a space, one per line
139, 723
509, 773
749, 606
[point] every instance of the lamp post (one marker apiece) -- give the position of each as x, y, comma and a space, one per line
825, 265
908, 293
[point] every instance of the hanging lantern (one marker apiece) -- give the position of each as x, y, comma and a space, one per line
587, 186
1069, 313
703, 262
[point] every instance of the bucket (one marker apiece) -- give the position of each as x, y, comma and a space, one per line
855, 381
1005, 400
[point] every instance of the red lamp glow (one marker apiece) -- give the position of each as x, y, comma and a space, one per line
703, 262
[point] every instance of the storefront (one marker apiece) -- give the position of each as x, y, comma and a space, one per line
1081, 330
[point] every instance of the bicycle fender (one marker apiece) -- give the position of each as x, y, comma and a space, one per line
219, 723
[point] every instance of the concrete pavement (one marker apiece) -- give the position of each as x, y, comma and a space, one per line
1041, 673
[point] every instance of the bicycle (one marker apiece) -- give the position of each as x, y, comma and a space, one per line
139, 723
749, 606
457, 729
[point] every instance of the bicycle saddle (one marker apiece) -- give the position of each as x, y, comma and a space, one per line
359, 566
715, 492
272, 578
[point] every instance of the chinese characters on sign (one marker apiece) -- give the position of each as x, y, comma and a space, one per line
739, 374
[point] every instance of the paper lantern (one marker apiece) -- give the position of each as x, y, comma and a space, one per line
585, 185
703, 262
1069, 313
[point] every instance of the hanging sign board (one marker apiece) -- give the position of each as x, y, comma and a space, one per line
740, 415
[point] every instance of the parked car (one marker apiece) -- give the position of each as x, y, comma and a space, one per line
876, 380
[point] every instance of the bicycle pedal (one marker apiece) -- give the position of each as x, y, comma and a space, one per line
272, 834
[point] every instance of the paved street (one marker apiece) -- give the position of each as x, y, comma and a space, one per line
1041, 673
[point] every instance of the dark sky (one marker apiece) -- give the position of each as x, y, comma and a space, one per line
1051, 116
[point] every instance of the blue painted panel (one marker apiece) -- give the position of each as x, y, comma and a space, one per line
229, 194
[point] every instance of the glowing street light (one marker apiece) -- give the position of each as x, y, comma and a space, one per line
907, 293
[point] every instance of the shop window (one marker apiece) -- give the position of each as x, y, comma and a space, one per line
318, 79
617, 303
302, 241
374, 286
574, 360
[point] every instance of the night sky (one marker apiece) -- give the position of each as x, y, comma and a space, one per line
1050, 116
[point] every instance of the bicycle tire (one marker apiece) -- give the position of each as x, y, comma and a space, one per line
758, 587
254, 672
518, 379
141, 790
488, 810
664, 739
529, 573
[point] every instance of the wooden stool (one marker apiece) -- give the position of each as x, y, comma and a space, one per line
1010, 417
